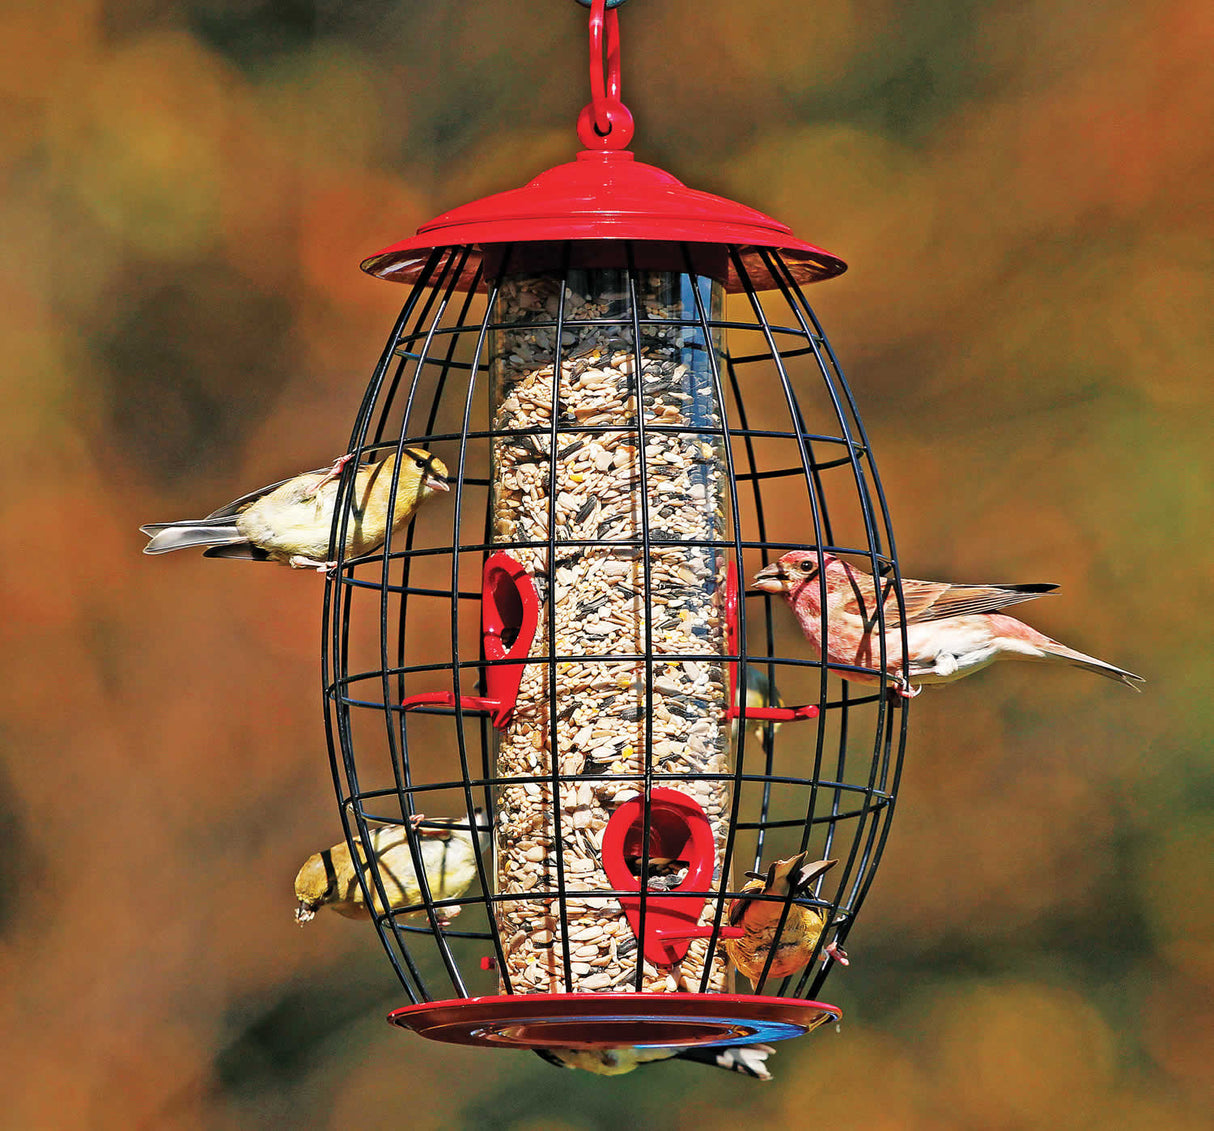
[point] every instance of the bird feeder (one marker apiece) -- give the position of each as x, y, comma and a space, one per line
639, 410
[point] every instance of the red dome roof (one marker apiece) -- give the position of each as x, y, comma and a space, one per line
607, 195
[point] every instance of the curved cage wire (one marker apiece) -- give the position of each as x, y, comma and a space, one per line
736, 439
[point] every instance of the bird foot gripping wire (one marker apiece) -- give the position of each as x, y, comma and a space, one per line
835, 951
902, 688
300, 561
333, 473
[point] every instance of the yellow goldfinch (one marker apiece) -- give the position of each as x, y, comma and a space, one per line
748, 1059
291, 521
759, 919
328, 878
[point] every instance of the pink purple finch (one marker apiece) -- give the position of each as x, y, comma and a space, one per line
951, 630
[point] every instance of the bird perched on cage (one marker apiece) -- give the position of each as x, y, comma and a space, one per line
759, 919
951, 630
762, 692
291, 521
747, 1059
329, 878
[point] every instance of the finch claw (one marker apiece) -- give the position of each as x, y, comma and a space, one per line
298, 561
333, 473
835, 951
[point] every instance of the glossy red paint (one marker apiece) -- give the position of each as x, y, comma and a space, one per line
678, 830
605, 195
509, 617
603, 1021
738, 708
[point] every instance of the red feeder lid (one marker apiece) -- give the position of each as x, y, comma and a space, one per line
607, 195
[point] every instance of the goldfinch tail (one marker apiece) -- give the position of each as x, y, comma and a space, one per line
751, 1060
167, 536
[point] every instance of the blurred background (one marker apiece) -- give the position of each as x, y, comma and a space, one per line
1022, 191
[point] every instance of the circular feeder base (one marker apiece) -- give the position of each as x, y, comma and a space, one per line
604, 1021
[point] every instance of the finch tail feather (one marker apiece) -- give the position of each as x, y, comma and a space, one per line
246, 551
166, 536
1091, 664
748, 1059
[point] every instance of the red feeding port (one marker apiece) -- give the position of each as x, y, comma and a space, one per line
736, 706
679, 837
510, 612
509, 616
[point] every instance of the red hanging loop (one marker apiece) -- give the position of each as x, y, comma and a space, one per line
606, 123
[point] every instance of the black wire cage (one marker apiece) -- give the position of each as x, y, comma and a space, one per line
552, 694
563, 645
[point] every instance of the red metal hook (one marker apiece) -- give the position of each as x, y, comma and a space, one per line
606, 123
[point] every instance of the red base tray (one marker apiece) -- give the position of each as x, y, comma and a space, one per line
604, 1021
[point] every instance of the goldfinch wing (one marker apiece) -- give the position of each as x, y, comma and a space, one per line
228, 510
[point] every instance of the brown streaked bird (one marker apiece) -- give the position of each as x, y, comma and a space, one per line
329, 879
759, 918
951, 630
290, 521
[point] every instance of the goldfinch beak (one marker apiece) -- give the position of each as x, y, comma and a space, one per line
770, 579
435, 483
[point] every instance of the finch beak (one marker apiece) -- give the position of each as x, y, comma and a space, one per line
770, 579
435, 483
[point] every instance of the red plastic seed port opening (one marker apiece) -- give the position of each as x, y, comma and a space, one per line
737, 708
509, 617
680, 838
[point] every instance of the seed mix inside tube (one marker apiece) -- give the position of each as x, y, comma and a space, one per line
600, 604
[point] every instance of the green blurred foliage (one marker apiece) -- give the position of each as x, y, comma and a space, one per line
1022, 193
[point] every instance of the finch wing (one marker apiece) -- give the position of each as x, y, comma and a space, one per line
747, 1059
244, 550
737, 907
932, 600
806, 874
228, 510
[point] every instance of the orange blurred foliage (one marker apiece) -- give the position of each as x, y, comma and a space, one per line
1022, 193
